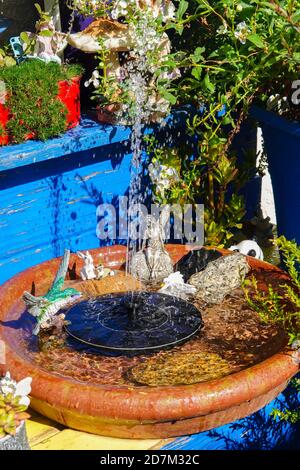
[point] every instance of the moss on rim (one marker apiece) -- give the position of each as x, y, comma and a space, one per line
32, 89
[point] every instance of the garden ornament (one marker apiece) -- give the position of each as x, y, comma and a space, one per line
248, 248
102, 272
88, 271
174, 285
44, 308
114, 37
152, 262
220, 278
48, 43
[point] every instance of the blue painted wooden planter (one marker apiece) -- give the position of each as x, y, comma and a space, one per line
50, 191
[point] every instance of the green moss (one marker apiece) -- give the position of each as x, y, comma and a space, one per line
32, 90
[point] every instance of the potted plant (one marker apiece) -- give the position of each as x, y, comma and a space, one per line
40, 100
136, 68
14, 402
40, 96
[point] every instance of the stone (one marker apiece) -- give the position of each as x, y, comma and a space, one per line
220, 278
195, 261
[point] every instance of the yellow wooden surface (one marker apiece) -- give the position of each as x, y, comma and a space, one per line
44, 434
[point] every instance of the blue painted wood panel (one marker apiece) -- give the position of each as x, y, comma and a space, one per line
56, 210
49, 191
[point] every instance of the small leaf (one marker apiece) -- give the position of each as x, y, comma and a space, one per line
208, 84
46, 33
182, 8
168, 96
256, 40
197, 72
198, 54
37, 6
24, 37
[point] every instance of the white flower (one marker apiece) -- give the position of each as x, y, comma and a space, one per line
241, 32
120, 8
296, 344
162, 176
95, 80
223, 29
23, 388
18, 389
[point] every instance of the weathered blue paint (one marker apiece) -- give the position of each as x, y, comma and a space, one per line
50, 190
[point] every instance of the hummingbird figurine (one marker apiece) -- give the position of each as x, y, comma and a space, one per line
44, 308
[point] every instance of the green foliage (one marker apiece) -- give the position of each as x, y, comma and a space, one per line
11, 414
32, 90
6, 58
205, 179
291, 416
242, 52
282, 306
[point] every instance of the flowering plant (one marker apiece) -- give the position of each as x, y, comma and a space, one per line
138, 79
236, 53
14, 401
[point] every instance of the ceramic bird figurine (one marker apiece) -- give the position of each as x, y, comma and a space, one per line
248, 248
45, 308
114, 36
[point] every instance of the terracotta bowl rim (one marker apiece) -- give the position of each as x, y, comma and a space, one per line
148, 403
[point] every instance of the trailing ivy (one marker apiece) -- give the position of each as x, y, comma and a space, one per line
32, 89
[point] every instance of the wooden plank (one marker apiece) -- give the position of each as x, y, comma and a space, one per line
76, 440
88, 135
40, 428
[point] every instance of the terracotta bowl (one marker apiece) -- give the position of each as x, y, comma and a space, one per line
138, 412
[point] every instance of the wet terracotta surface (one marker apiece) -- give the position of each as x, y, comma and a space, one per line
103, 402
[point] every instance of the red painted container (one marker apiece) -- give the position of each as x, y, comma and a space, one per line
68, 94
